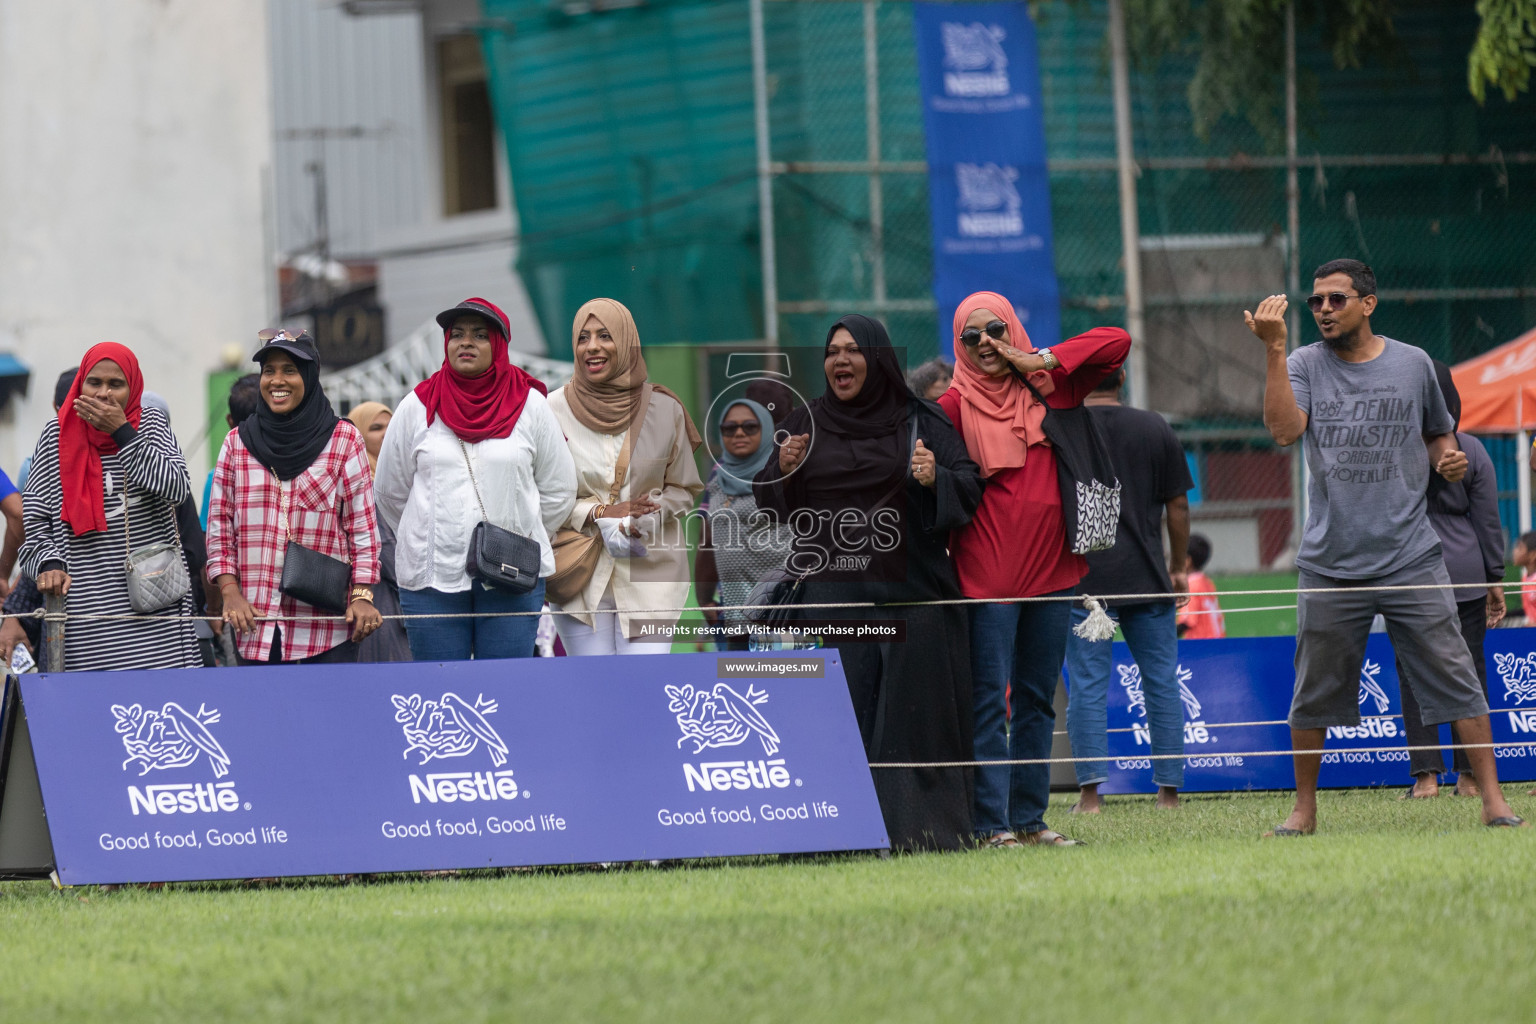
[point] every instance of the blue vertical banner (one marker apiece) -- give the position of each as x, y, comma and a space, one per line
988, 189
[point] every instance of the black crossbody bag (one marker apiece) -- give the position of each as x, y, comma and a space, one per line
308, 575
497, 557
1090, 488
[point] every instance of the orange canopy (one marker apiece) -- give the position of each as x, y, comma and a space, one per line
1498, 388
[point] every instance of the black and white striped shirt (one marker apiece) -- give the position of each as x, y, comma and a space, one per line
152, 473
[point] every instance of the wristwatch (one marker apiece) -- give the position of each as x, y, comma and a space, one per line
361, 594
1051, 362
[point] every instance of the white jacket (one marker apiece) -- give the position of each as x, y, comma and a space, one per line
422, 490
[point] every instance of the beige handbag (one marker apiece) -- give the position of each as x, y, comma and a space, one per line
577, 552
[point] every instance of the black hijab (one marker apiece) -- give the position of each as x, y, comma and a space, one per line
289, 444
1443, 496
880, 407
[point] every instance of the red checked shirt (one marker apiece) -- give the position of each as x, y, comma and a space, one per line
329, 508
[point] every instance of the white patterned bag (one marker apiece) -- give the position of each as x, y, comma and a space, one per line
1090, 488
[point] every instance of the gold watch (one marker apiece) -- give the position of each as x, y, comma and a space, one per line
361, 594
1051, 362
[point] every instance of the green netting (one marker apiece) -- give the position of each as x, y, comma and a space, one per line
630, 136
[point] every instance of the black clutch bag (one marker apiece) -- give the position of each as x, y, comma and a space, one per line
309, 576
502, 559
498, 557
314, 578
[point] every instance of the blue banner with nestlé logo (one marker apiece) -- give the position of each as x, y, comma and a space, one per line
301, 770
989, 192
1229, 688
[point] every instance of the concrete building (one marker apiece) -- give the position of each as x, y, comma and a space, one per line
133, 196
383, 105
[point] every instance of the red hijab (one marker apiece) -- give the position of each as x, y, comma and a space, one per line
998, 416
81, 445
477, 408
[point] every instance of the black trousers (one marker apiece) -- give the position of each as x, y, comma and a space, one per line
342, 654
1473, 615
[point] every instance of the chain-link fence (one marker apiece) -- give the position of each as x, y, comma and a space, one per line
635, 159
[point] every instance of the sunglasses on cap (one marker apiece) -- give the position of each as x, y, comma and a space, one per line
971, 337
1336, 301
272, 334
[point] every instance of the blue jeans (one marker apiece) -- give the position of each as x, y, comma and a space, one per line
1151, 634
1024, 643
459, 639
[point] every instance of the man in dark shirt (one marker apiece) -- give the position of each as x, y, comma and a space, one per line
1153, 480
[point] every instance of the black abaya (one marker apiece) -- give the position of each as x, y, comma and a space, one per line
912, 699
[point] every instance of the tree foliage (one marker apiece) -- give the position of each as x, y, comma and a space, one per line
1239, 49
1505, 50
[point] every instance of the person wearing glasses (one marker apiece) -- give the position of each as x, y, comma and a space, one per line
738, 547
1016, 546
1373, 423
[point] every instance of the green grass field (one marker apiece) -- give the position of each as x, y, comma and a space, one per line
1397, 911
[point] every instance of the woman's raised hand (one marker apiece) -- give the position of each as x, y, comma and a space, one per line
924, 465
792, 452
1024, 362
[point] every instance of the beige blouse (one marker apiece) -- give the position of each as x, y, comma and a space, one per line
661, 465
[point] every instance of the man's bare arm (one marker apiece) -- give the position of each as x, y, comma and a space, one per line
1285, 421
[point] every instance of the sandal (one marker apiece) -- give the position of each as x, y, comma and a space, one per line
1000, 840
1285, 832
1047, 838
1508, 821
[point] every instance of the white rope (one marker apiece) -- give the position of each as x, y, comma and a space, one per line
1318, 752
815, 606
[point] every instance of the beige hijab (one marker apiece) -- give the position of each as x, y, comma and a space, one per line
362, 417
608, 405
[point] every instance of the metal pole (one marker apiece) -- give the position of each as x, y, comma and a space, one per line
1523, 477
53, 631
1130, 226
1301, 478
766, 243
872, 133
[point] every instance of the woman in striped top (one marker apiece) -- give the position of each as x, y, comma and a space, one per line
107, 473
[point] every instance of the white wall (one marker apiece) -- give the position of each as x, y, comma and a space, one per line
137, 138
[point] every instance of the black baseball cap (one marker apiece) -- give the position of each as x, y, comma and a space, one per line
475, 307
299, 345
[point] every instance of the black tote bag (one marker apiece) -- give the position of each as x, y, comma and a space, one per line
1090, 488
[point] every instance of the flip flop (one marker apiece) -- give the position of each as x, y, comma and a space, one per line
1408, 794
1282, 832
1508, 821
1047, 838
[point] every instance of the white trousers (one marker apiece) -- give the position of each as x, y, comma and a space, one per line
604, 636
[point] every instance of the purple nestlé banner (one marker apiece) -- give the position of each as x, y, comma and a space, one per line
1251, 680
300, 770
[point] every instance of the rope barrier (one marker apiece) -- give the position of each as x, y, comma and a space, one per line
815, 606
1173, 757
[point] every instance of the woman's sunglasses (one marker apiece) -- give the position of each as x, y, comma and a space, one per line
971, 337
750, 428
1336, 301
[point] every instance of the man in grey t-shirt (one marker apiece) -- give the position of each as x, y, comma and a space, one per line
1373, 422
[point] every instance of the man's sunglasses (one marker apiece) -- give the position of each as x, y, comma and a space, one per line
751, 429
1336, 301
971, 337
280, 334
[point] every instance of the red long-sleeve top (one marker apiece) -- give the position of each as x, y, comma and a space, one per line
1016, 543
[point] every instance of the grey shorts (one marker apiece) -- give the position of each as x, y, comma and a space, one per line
1331, 631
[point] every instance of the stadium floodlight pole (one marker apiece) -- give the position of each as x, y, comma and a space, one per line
765, 230
1130, 222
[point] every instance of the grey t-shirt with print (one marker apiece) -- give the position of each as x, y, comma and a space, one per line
1364, 445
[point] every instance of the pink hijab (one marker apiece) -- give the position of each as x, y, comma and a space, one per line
998, 416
